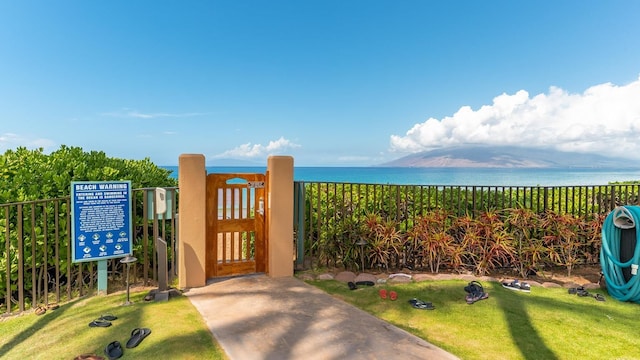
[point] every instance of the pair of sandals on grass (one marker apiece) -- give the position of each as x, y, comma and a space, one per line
475, 292
516, 285
114, 350
393, 296
103, 321
41, 310
354, 285
582, 292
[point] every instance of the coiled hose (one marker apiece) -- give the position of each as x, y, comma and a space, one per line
622, 217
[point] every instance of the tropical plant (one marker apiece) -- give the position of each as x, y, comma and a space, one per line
529, 245
488, 243
562, 238
384, 240
34, 210
432, 234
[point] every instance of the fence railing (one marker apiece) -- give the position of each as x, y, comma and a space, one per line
329, 212
35, 262
36, 266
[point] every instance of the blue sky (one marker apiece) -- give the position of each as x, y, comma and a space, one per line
332, 83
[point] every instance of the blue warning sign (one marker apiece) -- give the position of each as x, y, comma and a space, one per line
101, 222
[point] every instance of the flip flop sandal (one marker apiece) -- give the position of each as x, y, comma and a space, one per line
364, 283
472, 298
41, 310
576, 290
421, 305
137, 335
517, 286
425, 306
473, 287
582, 292
99, 323
393, 295
88, 357
599, 297
113, 350
108, 317
383, 293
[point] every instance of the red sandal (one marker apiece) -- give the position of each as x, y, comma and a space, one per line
383, 293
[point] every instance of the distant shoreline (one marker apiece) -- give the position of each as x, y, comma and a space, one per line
447, 176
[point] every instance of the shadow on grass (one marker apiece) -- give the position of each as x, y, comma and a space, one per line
543, 324
66, 329
27, 332
518, 321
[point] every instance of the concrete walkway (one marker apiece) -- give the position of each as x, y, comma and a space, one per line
261, 318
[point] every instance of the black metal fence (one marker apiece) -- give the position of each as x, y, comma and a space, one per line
35, 262
36, 266
326, 212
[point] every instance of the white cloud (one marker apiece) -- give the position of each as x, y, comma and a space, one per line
127, 113
257, 150
605, 119
13, 141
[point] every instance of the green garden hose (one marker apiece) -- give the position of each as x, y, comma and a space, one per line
622, 217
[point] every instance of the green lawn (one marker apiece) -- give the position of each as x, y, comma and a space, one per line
177, 330
543, 324
547, 323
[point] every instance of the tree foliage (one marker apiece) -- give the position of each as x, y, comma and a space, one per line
34, 194
469, 228
27, 175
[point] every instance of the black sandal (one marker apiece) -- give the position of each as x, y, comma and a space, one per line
421, 305
475, 292
364, 283
582, 292
100, 323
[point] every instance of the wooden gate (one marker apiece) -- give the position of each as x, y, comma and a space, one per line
236, 212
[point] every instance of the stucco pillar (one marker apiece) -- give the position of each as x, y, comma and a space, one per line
280, 219
192, 178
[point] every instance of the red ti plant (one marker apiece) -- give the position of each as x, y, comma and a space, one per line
488, 242
432, 232
531, 250
562, 238
384, 240
592, 233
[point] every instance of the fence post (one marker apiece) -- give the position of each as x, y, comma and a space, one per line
300, 206
280, 215
192, 178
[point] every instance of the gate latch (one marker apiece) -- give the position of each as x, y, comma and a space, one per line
255, 184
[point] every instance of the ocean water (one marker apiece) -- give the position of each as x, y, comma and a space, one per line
447, 176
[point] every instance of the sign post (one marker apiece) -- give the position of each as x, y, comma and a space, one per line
101, 223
